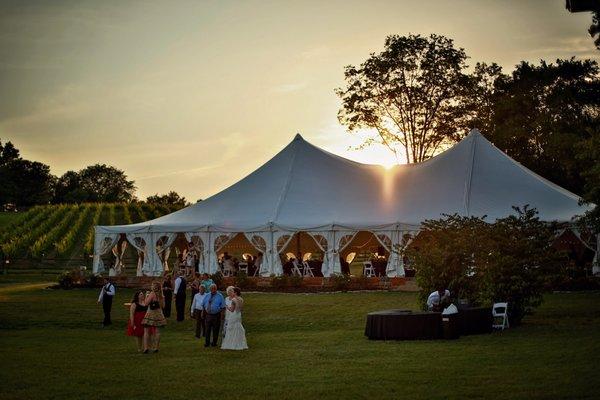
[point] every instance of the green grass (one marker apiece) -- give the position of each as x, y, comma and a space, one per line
47, 233
7, 218
301, 346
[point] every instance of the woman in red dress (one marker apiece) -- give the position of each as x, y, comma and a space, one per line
137, 312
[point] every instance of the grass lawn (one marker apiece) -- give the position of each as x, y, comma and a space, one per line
7, 218
301, 346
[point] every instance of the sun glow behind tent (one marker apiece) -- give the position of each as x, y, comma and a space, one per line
304, 188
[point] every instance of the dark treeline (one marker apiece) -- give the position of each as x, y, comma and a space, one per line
26, 183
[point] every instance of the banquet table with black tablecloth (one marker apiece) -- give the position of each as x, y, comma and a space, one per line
403, 325
474, 320
411, 325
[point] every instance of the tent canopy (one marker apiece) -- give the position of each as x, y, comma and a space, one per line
306, 188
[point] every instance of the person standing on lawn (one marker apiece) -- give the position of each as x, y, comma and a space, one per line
194, 285
197, 311
168, 293
154, 318
107, 293
213, 305
180, 287
137, 312
206, 282
235, 336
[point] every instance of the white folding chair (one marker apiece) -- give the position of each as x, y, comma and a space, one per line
307, 270
500, 312
368, 269
243, 267
295, 268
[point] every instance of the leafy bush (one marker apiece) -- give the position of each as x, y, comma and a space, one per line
279, 282
78, 277
509, 260
296, 281
340, 282
242, 281
362, 282
65, 280
446, 252
521, 261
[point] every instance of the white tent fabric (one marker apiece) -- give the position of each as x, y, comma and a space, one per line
304, 188
103, 243
217, 242
145, 243
200, 241
163, 244
119, 253
140, 243
259, 240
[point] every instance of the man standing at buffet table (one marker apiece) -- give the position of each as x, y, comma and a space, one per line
438, 300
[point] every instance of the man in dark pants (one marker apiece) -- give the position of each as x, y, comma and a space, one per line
213, 304
180, 286
197, 311
106, 298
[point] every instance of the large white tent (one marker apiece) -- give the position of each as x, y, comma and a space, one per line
304, 188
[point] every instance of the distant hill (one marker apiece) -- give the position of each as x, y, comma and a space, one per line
64, 234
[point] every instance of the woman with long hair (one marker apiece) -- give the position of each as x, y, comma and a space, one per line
154, 318
137, 312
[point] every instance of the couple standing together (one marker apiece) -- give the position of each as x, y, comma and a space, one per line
208, 309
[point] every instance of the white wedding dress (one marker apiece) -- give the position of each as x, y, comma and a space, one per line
235, 334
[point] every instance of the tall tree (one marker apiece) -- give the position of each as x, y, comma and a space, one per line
589, 152
23, 182
68, 189
414, 95
171, 199
595, 28
8, 152
96, 183
539, 113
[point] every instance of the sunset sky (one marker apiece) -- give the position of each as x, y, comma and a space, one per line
192, 96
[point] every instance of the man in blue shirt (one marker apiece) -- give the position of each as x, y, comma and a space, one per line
213, 305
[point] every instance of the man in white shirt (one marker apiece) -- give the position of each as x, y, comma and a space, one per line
179, 292
438, 299
106, 298
197, 311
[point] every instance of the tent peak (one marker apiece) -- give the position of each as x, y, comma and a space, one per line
298, 137
474, 132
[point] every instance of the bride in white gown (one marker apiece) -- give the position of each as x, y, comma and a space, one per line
235, 335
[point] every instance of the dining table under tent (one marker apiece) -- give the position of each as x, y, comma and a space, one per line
331, 199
